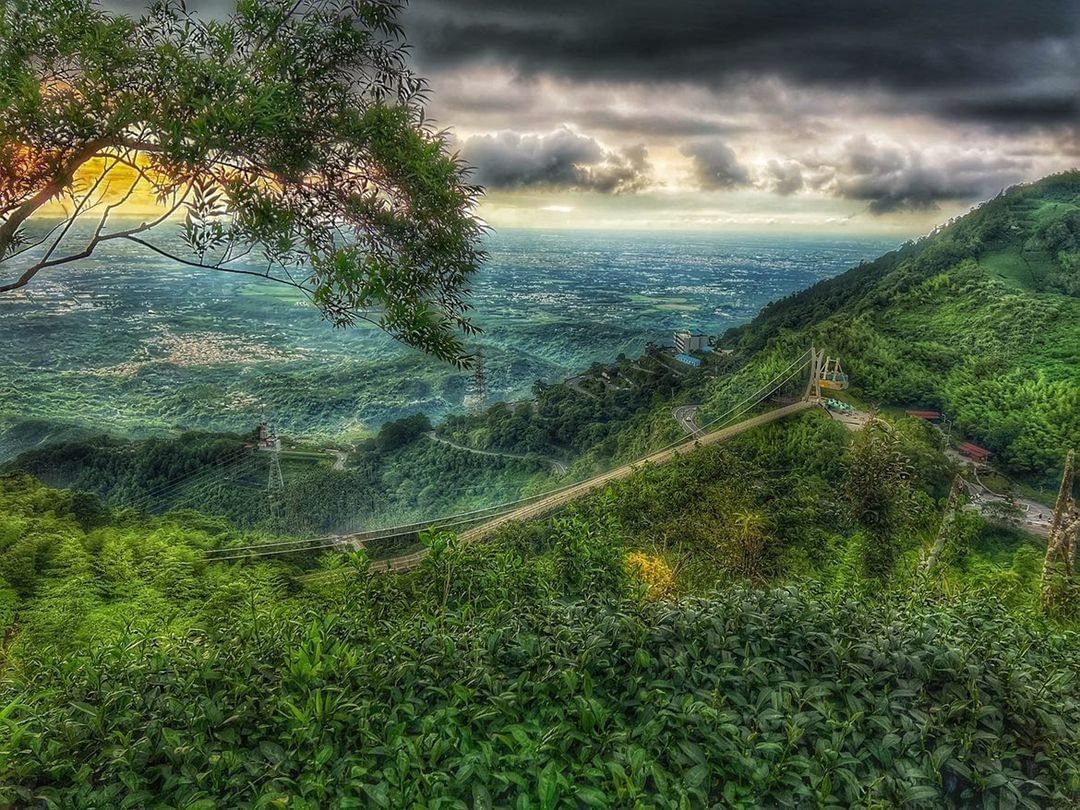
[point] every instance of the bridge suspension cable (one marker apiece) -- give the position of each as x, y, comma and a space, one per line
359, 539
399, 530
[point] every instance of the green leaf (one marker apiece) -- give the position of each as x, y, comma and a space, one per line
591, 797
548, 786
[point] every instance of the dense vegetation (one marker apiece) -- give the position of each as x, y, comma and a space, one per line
595, 419
981, 320
611, 656
753, 623
398, 475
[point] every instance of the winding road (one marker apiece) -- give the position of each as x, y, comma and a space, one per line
686, 416
557, 467
340, 457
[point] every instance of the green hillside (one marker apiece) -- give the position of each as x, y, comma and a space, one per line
725, 629
752, 624
981, 320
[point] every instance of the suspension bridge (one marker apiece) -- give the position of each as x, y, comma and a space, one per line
476, 525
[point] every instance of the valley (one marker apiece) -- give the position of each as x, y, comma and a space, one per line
457, 405
637, 498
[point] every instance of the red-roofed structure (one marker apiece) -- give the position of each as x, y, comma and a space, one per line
929, 416
974, 452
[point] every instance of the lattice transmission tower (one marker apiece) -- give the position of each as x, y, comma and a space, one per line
476, 393
270, 443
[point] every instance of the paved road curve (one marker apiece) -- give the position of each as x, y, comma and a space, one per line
685, 416
558, 467
340, 457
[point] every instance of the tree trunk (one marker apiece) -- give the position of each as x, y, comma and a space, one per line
1061, 542
947, 520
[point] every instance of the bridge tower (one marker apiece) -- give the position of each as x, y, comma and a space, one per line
825, 372
817, 363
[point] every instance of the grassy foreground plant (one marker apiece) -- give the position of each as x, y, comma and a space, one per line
527, 671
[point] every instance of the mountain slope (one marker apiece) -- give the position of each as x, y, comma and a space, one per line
980, 319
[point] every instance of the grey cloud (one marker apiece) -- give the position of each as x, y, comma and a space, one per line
784, 177
716, 165
794, 75
891, 178
688, 125
937, 55
561, 159
1068, 143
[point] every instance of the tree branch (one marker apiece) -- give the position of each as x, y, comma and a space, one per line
79, 209
53, 188
95, 240
203, 266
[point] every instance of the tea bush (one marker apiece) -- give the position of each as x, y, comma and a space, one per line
773, 698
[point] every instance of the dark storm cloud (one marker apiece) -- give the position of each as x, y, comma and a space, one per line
934, 55
960, 97
716, 166
1018, 110
686, 125
891, 178
562, 159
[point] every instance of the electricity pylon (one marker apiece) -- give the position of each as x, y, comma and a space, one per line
476, 394
271, 444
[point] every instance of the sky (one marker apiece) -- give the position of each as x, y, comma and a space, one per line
883, 116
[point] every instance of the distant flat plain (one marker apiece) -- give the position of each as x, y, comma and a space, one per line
128, 344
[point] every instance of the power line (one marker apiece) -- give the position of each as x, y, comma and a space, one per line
229, 462
337, 542
182, 479
407, 529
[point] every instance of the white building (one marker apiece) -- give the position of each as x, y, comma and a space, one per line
687, 342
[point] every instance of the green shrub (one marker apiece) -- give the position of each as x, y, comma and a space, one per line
775, 698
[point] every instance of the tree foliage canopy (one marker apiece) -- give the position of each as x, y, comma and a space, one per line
290, 136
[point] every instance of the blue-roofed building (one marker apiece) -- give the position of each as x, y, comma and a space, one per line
688, 360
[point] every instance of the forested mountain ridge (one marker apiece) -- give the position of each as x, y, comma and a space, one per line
981, 319
722, 629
